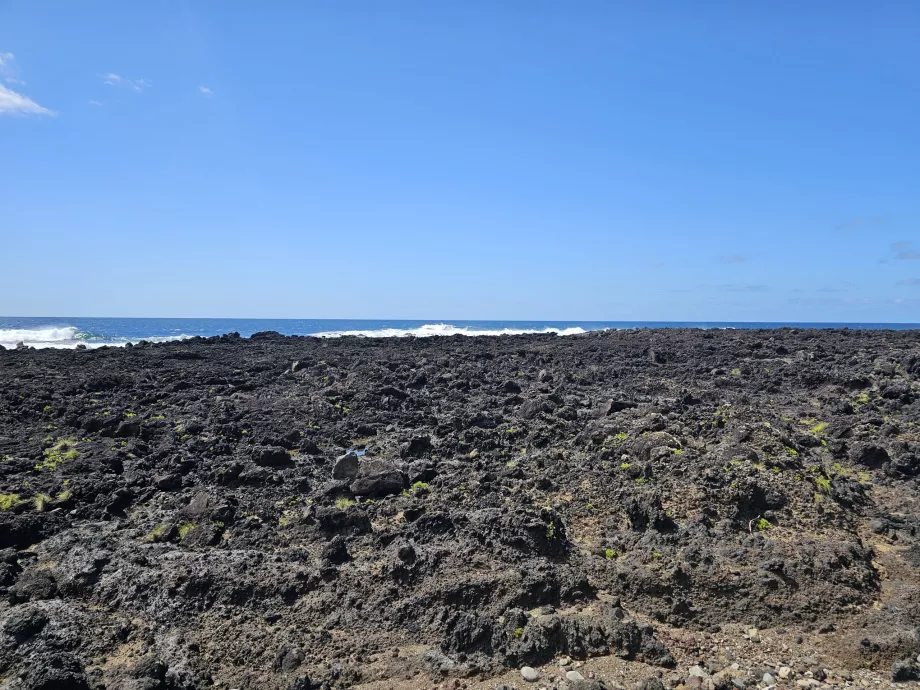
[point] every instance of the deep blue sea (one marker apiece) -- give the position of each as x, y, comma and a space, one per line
95, 332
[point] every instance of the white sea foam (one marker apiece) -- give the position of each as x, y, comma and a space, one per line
52, 336
68, 337
432, 329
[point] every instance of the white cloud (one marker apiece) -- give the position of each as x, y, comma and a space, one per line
12, 103
112, 79
8, 69
91, 102
205, 90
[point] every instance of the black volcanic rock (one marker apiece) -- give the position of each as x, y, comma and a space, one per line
186, 514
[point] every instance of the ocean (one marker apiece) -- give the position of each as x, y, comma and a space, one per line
68, 332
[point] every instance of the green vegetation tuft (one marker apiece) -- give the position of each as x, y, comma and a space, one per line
519, 632
818, 428
159, 532
823, 484
736, 372
609, 554
762, 524
551, 531
185, 528
343, 503
63, 451
9, 501
41, 502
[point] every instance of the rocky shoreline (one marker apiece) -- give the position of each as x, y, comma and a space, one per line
655, 508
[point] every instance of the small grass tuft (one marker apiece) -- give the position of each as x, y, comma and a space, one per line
159, 532
41, 502
9, 501
63, 451
343, 503
824, 485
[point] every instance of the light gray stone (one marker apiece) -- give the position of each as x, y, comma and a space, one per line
531, 675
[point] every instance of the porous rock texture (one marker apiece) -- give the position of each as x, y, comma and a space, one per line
187, 514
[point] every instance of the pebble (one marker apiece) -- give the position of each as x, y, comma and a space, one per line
697, 671
564, 661
531, 675
574, 676
785, 672
768, 679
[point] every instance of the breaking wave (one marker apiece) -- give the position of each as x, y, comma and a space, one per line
68, 337
432, 329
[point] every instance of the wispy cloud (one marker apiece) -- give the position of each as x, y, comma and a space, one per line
859, 223
734, 259
9, 70
744, 288
205, 90
112, 79
92, 102
732, 287
913, 282
827, 301
904, 251
12, 103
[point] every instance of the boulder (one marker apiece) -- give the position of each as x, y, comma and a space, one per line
346, 466
271, 456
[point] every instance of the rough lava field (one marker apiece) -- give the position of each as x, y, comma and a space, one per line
691, 509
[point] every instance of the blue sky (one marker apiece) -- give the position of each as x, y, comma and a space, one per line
461, 159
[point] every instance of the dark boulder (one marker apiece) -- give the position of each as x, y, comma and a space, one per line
416, 447
271, 456
346, 467
905, 670
869, 454
25, 621
381, 483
